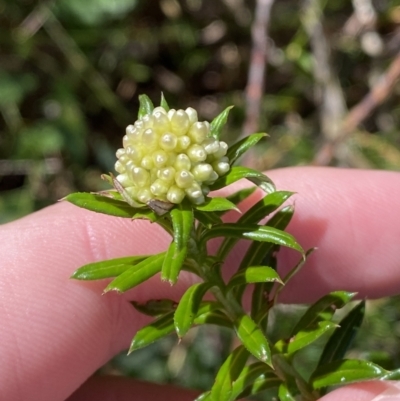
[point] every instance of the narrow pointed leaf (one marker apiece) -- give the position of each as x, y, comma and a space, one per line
173, 263
137, 274
257, 212
104, 204
207, 219
182, 223
253, 379
159, 328
254, 274
155, 307
284, 393
217, 205
219, 122
253, 232
188, 307
259, 303
204, 397
305, 338
253, 338
343, 336
228, 373
239, 148
209, 313
164, 103
259, 251
323, 309
237, 173
106, 268
146, 106
345, 372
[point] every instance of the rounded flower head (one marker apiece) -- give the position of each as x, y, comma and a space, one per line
169, 156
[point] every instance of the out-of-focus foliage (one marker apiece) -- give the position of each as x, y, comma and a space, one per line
71, 72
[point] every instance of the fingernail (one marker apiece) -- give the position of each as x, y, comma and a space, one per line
392, 393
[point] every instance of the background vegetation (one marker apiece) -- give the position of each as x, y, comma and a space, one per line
320, 76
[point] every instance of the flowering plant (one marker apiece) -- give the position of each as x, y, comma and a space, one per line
167, 167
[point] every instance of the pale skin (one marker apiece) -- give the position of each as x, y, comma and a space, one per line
57, 332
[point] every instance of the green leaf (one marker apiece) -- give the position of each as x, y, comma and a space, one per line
106, 268
228, 373
164, 103
137, 274
146, 106
182, 223
204, 397
254, 274
342, 337
213, 317
241, 195
106, 205
345, 372
260, 210
237, 173
284, 393
173, 263
207, 219
217, 205
159, 328
253, 338
219, 122
242, 146
188, 307
252, 232
259, 251
155, 307
253, 379
323, 309
304, 338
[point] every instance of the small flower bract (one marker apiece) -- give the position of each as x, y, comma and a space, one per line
170, 155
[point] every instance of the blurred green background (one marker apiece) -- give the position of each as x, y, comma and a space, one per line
71, 72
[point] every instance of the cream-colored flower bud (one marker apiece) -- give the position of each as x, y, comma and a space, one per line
130, 129
184, 178
202, 171
167, 174
168, 141
147, 120
222, 166
120, 152
160, 158
210, 145
159, 187
223, 148
144, 195
149, 140
182, 162
198, 132
119, 167
134, 153
192, 114
195, 193
139, 125
179, 122
183, 143
175, 194
161, 122
147, 162
132, 191
159, 109
196, 153
139, 176
213, 177
124, 180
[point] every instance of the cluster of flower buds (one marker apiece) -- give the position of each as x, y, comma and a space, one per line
169, 156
